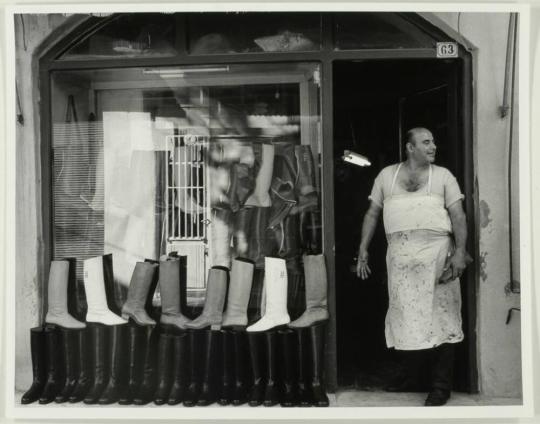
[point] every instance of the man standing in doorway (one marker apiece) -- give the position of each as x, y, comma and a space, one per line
422, 208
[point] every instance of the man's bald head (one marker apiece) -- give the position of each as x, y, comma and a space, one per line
412, 135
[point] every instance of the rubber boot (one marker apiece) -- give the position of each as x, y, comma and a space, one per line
241, 366
239, 291
118, 367
304, 397
148, 385
180, 366
211, 367
115, 296
55, 361
100, 346
442, 370
76, 297
139, 292
170, 285
164, 368
216, 290
260, 196
316, 292
86, 372
194, 387
221, 227
135, 350
306, 182
70, 340
289, 365
256, 342
39, 365
57, 300
226, 386
317, 388
271, 390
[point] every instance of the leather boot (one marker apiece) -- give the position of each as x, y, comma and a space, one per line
306, 182
289, 365
57, 300
241, 229
260, 196
211, 367
241, 366
148, 385
194, 387
180, 367
100, 346
135, 349
286, 235
260, 241
271, 390
170, 285
86, 372
39, 365
55, 361
216, 290
304, 398
70, 339
316, 386
76, 298
118, 369
164, 368
239, 291
139, 292
115, 296
226, 385
310, 231
221, 232
442, 370
316, 292
256, 342
283, 182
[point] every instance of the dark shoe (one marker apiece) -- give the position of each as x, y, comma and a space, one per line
134, 359
180, 369
437, 397
195, 363
147, 388
86, 372
256, 396
55, 361
70, 339
39, 365
100, 346
117, 384
208, 393
316, 386
164, 370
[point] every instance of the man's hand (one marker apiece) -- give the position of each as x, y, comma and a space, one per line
454, 266
362, 267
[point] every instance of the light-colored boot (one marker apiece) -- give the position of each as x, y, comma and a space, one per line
139, 286
316, 290
275, 287
57, 311
94, 286
216, 289
261, 196
169, 285
239, 291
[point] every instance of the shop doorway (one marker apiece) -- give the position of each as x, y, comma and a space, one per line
375, 102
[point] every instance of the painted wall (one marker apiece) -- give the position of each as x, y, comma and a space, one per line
498, 344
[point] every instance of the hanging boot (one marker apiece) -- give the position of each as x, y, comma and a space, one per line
57, 292
194, 387
289, 365
135, 349
115, 297
117, 377
256, 342
304, 398
39, 365
316, 291
260, 196
241, 365
306, 183
316, 386
211, 367
85, 377
96, 298
164, 368
139, 292
283, 182
55, 360
180, 366
216, 290
226, 385
70, 339
276, 296
170, 287
271, 390
76, 298
148, 385
239, 291
221, 233
100, 346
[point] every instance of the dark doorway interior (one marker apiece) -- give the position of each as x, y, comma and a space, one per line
375, 102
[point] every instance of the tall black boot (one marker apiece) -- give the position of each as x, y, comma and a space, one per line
271, 391
256, 396
180, 366
148, 386
55, 361
304, 398
194, 387
86, 372
442, 372
288, 357
226, 385
115, 296
164, 368
39, 365
100, 346
211, 368
317, 387
135, 348
70, 340
241, 368
118, 367
76, 296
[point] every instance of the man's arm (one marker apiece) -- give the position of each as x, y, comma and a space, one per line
369, 225
458, 261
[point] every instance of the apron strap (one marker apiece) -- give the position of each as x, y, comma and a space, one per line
429, 179
394, 179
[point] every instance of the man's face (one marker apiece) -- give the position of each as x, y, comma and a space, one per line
422, 147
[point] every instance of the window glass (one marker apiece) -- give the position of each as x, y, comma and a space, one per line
220, 33
214, 163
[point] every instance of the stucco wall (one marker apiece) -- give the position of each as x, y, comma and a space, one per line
498, 344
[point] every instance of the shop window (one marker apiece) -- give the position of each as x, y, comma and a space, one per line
212, 162
382, 30
131, 35
219, 33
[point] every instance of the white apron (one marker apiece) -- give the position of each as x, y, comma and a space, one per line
421, 313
